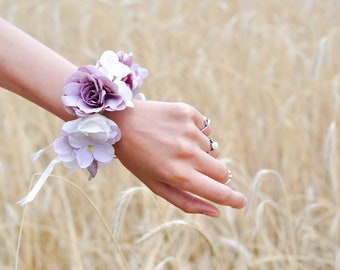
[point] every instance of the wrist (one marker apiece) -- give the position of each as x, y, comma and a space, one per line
89, 141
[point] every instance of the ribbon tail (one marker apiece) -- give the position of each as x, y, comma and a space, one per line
33, 193
37, 154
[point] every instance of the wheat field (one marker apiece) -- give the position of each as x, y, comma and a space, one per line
267, 73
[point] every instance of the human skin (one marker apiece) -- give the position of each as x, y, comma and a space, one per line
162, 144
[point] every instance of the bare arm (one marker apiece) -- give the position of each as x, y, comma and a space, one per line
161, 144
32, 70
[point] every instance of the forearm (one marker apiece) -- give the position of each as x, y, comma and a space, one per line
32, 70
163, 144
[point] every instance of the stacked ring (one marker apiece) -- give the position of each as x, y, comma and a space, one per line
213, 145
230, 177
206, 124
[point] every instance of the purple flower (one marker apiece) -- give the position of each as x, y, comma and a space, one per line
89, 91
87, 143
136, 75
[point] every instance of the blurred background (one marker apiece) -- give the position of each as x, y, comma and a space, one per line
267, 73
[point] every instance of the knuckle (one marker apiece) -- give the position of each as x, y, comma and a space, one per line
190, 132
222, 197
185, 149
175, 176
185, 110
180, 178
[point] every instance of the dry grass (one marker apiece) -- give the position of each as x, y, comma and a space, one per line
265, 72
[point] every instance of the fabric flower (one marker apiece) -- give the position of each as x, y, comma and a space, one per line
120, 66
115, 71
110, 65
87, 143
89, 91
136, 75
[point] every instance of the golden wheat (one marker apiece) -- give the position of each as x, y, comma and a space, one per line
266, 73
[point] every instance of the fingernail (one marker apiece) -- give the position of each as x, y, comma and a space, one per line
244, 202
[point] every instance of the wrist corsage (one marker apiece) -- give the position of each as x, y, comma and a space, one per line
88, 141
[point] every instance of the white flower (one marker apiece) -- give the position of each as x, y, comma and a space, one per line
87, 142
110, 65
95, 127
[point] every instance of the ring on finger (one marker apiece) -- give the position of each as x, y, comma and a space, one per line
213, 145
206, 124
230, 177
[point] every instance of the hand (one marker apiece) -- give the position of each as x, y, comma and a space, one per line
163, 146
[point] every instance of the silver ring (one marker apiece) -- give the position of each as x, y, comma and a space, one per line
230, 177
206, 124
213, 145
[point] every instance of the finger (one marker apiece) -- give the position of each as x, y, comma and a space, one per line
211, 167
204, 160
207, 188
207, 131
206, 146
194, 154
213, 148
214, 153
183, 200
201, 122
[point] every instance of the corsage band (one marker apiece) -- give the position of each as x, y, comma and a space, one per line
88, 141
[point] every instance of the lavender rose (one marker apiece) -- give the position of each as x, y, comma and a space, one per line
89, 91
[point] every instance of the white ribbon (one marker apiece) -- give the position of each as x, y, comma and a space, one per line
37, 154
33, 193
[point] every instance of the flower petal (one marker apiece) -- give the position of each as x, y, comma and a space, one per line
103, 153
84, 157
71, 126
73, 165
111, 66
78, 140
67, 157
124, 90
72, 88
71, 100
61, 146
